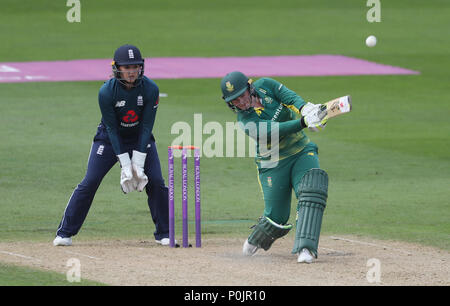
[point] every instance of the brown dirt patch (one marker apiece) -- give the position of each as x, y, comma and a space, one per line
342, 260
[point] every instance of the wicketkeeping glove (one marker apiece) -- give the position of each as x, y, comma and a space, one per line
137, 163
126, 174
316, 118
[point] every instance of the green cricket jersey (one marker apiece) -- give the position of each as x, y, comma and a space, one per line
281, 106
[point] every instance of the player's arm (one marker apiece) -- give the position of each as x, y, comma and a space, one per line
288, 98
148, 119
139, 155
109, 119
256, 128
105, 102
312, 115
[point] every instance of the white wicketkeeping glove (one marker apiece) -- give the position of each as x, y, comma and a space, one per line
137, 163
126, 174
316, 118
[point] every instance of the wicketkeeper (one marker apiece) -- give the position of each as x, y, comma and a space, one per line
286, 160
128, 104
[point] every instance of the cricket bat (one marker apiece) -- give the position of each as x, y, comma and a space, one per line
339, 106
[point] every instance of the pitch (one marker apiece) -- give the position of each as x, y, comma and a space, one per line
388, 159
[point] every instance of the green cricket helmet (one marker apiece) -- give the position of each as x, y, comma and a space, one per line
233, 85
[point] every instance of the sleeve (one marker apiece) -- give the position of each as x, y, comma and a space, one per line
283, 94
109, 119
256, 128
148, 119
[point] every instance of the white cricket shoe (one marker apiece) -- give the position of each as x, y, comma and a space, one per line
165, 241
60, 241
305, 256
249, 249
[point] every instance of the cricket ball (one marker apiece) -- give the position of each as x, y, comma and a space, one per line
371, 41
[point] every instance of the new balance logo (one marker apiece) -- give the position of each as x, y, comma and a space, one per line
120, 103
130, 53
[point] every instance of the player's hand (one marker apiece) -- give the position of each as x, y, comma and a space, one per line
137, 163
316, 119
126, 173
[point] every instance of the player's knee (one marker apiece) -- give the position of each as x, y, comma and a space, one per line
90, 183
314, 180
156, 186
154, 182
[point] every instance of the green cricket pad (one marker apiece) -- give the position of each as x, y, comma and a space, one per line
266, 232
313, 193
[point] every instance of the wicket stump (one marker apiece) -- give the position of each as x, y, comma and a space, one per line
184, 198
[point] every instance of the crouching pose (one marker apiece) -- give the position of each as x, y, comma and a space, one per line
274, 116
128, 104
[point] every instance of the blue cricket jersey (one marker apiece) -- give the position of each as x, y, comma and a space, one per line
128, 115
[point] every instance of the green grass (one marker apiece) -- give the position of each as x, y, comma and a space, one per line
388, 161
20, 276
381, 184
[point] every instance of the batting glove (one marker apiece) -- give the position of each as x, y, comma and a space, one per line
309, 107
126, 174
316, 119
137, 163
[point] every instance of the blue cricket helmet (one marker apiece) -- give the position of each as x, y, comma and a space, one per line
127, 55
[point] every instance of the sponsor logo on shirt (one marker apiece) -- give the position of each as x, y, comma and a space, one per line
130, 119
120, 103
277, 112
140, 101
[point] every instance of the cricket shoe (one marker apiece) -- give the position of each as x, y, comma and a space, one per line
60, 241
305, 256
166, 241
249, 249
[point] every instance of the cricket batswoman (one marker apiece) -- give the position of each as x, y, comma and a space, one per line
128, 104
286, 160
